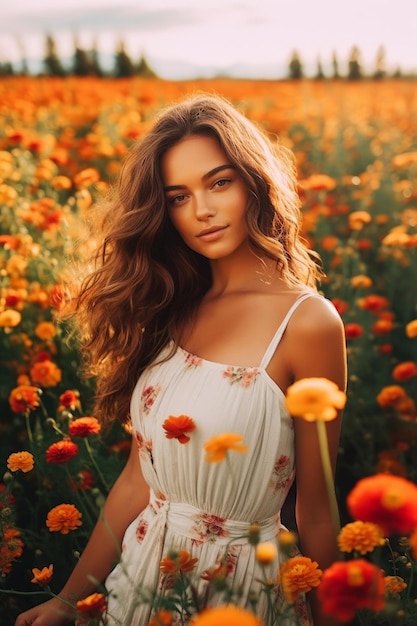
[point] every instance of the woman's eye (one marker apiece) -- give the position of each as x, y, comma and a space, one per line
222, 182
176, 199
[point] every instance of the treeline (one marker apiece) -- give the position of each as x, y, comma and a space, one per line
88, 62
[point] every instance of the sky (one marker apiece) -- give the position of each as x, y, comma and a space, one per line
258, 36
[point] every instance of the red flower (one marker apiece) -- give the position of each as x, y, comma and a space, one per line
61, 451
177, 427
24, 398
82, 481
374, 303
348, 586
404, 371
353, 331
84, 426
386, 500
70, 400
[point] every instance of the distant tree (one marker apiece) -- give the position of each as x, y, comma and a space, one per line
81, 65
95, 61
123, 66
24, 68
354, 64
380, 65
51, 61
319, 71
335, 65
295, 68
397, 72
144, 69
6, 69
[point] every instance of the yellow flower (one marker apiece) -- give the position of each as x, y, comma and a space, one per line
266, 552
230, 615
360, 536
394, 585
411, 329
298, 575
45, 330
9, 318
361, 281
287, 538
42, 576
357, 219
23, 461
315, 399
217, 447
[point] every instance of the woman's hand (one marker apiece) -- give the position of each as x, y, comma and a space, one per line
54, 612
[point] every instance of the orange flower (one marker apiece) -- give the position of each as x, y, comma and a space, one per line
86, 177
394, 585
315, 399
329, 242
177, 427
63, 518
23, 461
266, 552
361, 281
161, 618
70, 400
411, 329
91, 607
340, 305
386, 500
382, 326
218, 572
24, 398
353, 330
404, 371
347, 587
177, 562
84, 426
298, 574
360, 537
217, 447
9, 318
11, 549
390, 395
358, 219
230, 615
45, 330
374, 303
61, 451
45, 373
42, 576
318, 182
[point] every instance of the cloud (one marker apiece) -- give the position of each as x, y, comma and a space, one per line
122, 17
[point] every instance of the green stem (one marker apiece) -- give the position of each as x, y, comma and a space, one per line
99, 474
28, 426
328, 474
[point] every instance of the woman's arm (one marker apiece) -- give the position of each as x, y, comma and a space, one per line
127, 498
318, 350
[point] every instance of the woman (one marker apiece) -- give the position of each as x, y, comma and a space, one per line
201, 310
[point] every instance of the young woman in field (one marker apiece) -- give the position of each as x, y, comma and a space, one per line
201, 310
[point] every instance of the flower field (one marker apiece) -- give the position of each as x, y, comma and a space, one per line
61, 144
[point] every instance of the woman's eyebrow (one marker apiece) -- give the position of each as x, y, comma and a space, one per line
206, 176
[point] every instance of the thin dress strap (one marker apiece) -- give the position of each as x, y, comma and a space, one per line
278, 335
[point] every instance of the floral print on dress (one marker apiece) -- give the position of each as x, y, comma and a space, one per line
148, 397
208, 527
141, 530
144, 447
192, 360
244, 376
282, 474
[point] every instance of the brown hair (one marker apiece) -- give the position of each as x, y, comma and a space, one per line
145, 281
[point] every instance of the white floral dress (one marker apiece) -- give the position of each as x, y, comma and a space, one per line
201, 507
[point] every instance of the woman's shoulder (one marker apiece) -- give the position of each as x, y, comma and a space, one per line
316, 315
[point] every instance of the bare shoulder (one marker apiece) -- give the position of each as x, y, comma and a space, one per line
316, 316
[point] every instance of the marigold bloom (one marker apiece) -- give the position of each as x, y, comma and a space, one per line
390, 395
45, 373
411, 329
84, 426
266, 552
11, 549
176, 562
347, 587
218, 446
298, 574
382, 326
361, 281
358, 219
177, 427
61, 451
45, 330
24, 398
318, 182
394, 585
315, 399
92, 606
42, 576
353, 330
341, 306
404, 371
161, 618
23, 461
230, 615
360, 537
386, 500
86, 177
9, 318
373, 302
63, 518
70, 399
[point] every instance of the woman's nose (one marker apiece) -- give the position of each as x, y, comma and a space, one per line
203, 207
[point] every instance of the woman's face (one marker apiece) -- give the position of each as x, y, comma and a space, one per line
205, 196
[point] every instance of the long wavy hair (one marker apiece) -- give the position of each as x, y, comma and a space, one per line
144, 282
